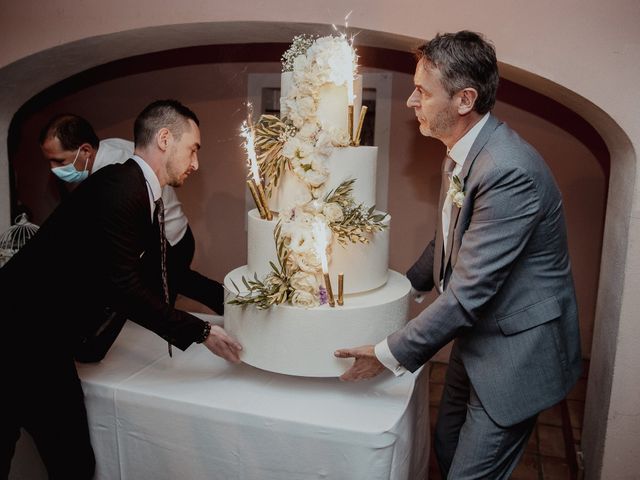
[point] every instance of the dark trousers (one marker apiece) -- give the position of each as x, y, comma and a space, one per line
468, 443
44, 396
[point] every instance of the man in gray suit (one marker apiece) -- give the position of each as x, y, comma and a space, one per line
500, 262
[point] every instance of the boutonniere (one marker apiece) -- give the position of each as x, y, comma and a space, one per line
456, 191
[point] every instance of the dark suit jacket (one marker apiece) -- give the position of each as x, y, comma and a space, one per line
87, 257
508, 294
182, 279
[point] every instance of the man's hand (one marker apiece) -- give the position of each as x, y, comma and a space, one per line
366, 365
223, 344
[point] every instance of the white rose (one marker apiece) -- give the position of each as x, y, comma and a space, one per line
314, 178
303, 299
319, 164
296, 148
314, 207
300, 239
307, 261
306, 107
307, 282
308, 130
324, 143
339, 137
333, 212
300, 199
458, 199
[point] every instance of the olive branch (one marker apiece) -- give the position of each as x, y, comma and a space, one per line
271, 133
358, 222
275, 288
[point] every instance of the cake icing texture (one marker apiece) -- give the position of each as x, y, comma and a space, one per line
317, 221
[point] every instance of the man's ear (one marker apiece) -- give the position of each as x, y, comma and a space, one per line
163, 138
86, 150
466, 100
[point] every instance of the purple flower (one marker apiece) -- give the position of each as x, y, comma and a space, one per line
323, 295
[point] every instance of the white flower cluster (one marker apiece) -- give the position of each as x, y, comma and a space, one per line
304, 259
323, 62
313, 63
456, 192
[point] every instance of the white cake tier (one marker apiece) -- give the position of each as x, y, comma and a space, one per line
365, 266
344, 163
298, 341
333, 105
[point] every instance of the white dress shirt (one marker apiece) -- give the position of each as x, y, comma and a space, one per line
117, 150
458, 154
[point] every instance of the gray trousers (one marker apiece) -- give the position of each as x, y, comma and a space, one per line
468, 444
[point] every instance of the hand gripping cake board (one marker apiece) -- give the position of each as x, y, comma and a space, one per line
298, 333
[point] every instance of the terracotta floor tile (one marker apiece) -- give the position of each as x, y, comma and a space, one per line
438, 371
576, 412
585, 368
554, 468
577, 434
532, 444
550, 441
579, 390
527, 469
551, 416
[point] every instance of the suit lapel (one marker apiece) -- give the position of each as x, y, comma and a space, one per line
478, 145
437, 264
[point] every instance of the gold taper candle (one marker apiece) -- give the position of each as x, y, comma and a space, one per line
341, 289
350, 123
263, 200
327, 285
363, 112
256, 197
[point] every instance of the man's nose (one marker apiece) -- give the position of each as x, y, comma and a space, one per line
412, 101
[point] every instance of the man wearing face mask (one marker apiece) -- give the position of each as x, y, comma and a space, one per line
74, 152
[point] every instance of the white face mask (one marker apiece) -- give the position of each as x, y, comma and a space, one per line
68, 173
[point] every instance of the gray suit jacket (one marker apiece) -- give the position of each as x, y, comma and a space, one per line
508, 296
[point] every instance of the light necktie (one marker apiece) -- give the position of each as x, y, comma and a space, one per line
449, 165
447, 168
163, 256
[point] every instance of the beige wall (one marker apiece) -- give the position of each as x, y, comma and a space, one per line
583, 54
214, 198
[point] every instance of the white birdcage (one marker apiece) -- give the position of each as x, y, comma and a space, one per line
15, 237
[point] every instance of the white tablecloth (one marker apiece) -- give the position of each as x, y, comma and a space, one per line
195, 416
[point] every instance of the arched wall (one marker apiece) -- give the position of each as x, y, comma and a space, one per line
584, 55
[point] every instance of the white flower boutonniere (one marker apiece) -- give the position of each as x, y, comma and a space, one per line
456, 191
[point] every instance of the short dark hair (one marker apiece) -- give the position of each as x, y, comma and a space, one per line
464, 59
169, 114
72, 131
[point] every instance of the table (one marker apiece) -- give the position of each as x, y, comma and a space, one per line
195, 416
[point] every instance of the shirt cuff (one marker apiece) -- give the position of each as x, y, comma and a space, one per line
386, 358
417, 295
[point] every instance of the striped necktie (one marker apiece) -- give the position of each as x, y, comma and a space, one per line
163, 256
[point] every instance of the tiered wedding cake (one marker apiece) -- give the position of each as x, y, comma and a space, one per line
319, 191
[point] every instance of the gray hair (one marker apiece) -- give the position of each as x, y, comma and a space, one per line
465, 59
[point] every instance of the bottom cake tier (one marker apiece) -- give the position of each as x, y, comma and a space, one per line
301, 342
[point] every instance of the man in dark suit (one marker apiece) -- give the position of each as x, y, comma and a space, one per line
74, 152
500, 262
86, 257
